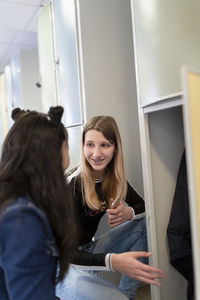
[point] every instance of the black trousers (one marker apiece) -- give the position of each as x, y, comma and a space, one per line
185, 267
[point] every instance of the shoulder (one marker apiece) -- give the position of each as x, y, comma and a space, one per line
19, 205
73, 180
24, 230
72, 174
22, 213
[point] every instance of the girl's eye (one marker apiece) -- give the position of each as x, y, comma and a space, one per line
90, 145
105, 145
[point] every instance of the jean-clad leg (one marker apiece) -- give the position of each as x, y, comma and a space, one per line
130, 236
83, 285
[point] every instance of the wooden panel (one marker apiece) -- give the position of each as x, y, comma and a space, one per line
192, 129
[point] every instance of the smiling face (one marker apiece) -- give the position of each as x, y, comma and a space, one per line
98, 151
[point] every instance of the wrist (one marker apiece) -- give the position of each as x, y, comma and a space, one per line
132, 213
114, 262
108, 261
129, 213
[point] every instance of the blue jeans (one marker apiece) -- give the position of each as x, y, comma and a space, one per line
84, 285
129, 236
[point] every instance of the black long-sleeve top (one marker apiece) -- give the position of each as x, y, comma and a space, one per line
88, 220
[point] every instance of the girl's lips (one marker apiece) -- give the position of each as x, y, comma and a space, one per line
97, 161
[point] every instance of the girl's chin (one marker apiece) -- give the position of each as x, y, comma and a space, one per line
98, 169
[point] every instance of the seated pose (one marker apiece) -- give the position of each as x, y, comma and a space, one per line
95, 184
35, 209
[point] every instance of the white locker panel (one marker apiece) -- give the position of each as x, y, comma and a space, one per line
74, 141
16, 80
1, 126
46, 59
166, 138
167, 36
3, 105
67, 59
29, 76
9, 94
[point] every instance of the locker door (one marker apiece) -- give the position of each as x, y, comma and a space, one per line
67, 59
46, 59
9, 94
3, 107
74, 141
16, 80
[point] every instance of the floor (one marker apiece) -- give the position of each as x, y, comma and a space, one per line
143, 293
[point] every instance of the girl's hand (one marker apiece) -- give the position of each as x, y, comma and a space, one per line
119, 214
127, 263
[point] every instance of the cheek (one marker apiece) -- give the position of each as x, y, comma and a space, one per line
65, 155
86, 152
110, 155
66, 160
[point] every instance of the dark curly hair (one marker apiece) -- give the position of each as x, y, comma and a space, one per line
31, 164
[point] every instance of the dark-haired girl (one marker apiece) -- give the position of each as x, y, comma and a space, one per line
36, 225
100, 179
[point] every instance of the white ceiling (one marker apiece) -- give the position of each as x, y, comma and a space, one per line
18, 27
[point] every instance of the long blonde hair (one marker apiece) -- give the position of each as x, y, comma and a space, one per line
114, 183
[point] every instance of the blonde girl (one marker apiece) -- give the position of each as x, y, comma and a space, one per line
95, 184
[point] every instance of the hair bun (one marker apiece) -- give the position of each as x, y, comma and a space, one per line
55, 114
16, 113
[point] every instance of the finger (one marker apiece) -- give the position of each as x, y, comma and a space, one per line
112, 211
114, 220
151, 273
139, 254
149, 281
110, 202
114, 223
153, 270
150, 270
146, 276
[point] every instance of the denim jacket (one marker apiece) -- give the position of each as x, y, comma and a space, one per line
28, 255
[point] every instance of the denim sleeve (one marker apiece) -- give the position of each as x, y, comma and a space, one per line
29, 269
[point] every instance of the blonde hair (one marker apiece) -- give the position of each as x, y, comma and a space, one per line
114, 183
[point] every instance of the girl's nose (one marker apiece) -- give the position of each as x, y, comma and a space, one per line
97, 152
